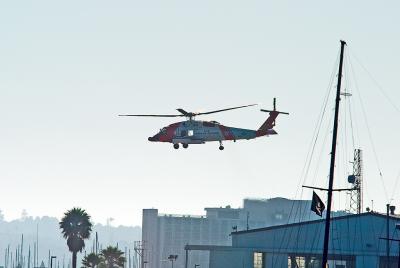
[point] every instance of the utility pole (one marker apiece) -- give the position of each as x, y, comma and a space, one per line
333, 156
247, 221
387, 233
186, 257
139, 248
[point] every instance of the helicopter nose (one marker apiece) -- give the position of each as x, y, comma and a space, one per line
154, 138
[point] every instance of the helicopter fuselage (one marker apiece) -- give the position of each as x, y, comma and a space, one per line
199, 132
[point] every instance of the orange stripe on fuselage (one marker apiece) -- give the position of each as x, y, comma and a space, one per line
226, 132
170, 133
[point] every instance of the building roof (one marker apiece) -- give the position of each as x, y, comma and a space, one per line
274, 199
223, 208
376, 214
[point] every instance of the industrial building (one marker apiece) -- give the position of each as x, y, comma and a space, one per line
355, 242
165, 235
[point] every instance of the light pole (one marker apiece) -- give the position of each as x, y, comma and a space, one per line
172, 258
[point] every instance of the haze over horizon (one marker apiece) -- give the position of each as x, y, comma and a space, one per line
68, 69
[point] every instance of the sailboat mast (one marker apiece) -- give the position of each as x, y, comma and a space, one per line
333, 156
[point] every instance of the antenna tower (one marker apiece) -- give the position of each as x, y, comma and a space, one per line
356, 180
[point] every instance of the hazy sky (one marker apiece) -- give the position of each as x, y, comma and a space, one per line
68, 68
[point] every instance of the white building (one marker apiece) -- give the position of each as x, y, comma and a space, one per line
355, 242
167, 234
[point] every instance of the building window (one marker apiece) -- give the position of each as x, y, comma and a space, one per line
385, 263
258, 260
296, 262
315, 262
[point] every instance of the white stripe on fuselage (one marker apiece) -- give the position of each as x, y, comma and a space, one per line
203, 131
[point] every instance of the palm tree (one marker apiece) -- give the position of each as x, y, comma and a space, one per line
76, 227
91, 260
112, 257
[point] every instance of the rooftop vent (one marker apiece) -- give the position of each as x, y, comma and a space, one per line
392, 209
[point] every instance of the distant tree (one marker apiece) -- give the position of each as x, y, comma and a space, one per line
112, 258
75, 227
91, 260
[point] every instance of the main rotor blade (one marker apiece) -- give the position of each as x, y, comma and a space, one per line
227, 109
153, 115
182, 111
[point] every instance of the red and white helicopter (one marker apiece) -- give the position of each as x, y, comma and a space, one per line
199, 132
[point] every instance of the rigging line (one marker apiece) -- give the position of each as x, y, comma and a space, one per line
281, 245
344, 116
376, 83
345, 142
322, 149
351, 125
342, 157
381, 243
369, 134
312, 145
375, 234
317, 129
362, 240
347, 118
317, 237
391, 241
347, 58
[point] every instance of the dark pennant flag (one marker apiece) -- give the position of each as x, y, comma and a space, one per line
317, 205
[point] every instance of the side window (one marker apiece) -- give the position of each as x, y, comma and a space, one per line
258, 260
190, 132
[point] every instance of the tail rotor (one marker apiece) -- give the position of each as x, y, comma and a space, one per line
274, 110
270, 122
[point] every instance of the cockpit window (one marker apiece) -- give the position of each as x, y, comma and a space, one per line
163, 130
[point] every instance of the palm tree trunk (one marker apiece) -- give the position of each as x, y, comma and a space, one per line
74, 259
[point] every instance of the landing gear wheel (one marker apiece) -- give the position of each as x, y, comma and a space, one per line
221, 147
176, 146
185, 145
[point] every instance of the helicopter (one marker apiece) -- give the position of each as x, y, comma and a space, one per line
193, 131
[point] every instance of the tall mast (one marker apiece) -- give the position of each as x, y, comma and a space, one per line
333, 156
